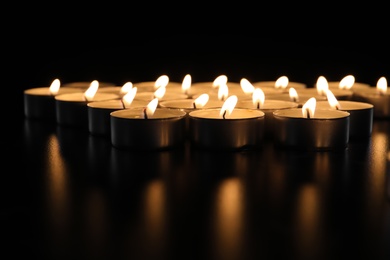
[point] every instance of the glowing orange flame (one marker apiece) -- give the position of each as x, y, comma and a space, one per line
55, 87
228, 106
381, 85
308, 109
281, 82
150, 108
186, 84
347, 82
332, 100
293, 94
160, 92
220, 80
258, 97
202, 100
91, 91
223, 92
322, 85
129, 97
162, 81
246, 86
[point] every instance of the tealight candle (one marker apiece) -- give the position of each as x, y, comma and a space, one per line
361, 114
119, 90
322, 86
309, 128
147, 128
99, 112
379, 97
348, 82
39, 103
226, 128
268, 106
84, 85
151, 86
72, 109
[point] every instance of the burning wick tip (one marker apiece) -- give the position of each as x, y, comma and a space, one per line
308, 113
145, 114
224, 113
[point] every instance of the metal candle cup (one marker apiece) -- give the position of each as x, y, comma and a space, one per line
164, 130
381, 102
72, 109
327, 130
361, 116
40, 104
99, 114
268, 108
244, 129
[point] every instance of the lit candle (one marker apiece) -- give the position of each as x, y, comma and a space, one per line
226, 128
348, 82
148, 128
361, 114
379, 97
268, 106
212, 87
84, 85
99, 111
294, 96
309, 128
39, 103
160, 93
282, 84
72, 109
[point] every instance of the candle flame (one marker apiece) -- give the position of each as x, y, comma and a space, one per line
308, 109
150, 108
186, 84
246, 86
162, 81
160, 92
228, 106
381, 85
293, 94
129, 97
347, 82
223, 91
281, 82
91, 91
220, 80
202, 100
126, 88
322, 85
332, 100
55, 87
258, 97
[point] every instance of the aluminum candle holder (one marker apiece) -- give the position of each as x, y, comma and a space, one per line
328, 130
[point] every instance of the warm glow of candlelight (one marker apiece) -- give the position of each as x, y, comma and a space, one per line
160, 92
347, 82
186, 84
223, 92
162, 81
322, 85
91, 91
332, 100
293, 94
220, 80
55, 87
228, 106
281, 82
308, 109
202, 100
150, 108
258, 97
246, 86
381, 85
128, 98
126, 87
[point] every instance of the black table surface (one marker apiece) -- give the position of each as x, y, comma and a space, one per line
67, 194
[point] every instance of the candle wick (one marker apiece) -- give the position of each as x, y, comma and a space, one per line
145, 114
194, 105
258, 105
224, 113
123, 103
308, 112
85, 97
294, 99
